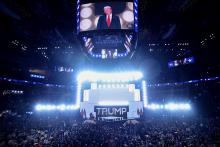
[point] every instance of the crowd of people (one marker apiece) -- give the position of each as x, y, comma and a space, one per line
34, 130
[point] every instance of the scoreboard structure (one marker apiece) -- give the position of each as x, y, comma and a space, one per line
114, 39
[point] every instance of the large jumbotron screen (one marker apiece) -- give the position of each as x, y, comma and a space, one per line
106, 15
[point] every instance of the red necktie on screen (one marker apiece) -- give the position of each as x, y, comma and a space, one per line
108, 20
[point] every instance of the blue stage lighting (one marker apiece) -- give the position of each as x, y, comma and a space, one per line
170, 106
49, 107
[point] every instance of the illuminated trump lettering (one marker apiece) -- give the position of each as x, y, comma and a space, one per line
104, 111
111, 111
117, 111
98, 110
124, 110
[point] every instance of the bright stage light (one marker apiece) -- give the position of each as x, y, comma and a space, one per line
113, 103
38, 107
153, 106
174, 106
109, 77
61, 107
170, 106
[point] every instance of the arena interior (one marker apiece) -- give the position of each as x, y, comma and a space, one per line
127, 73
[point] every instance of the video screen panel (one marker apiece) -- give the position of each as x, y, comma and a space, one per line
106, 15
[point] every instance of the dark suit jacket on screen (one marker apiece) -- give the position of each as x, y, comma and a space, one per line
102, 24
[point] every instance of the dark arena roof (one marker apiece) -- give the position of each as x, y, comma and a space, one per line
168, 50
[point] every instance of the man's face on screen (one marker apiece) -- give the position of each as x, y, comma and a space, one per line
108, 10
